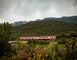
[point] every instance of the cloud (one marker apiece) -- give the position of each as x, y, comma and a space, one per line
32, 6
5, 6
14, 10
74, 2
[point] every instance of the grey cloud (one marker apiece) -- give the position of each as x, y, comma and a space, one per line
31, 6
5, 6
40, 8
75, 2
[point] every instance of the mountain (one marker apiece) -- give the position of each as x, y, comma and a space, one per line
70, 19
44, 27
18, 23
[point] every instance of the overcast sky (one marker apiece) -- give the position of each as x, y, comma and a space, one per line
26, 10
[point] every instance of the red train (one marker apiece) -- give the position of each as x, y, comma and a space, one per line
38, 38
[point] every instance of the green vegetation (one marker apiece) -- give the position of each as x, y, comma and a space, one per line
56, 50
5, 32
41, 28
63, 48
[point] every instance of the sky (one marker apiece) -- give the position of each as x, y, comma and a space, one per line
28, 10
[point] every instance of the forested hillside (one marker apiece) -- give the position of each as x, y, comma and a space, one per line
44, 27
69, 19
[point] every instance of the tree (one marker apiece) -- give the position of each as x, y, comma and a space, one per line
5, 32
